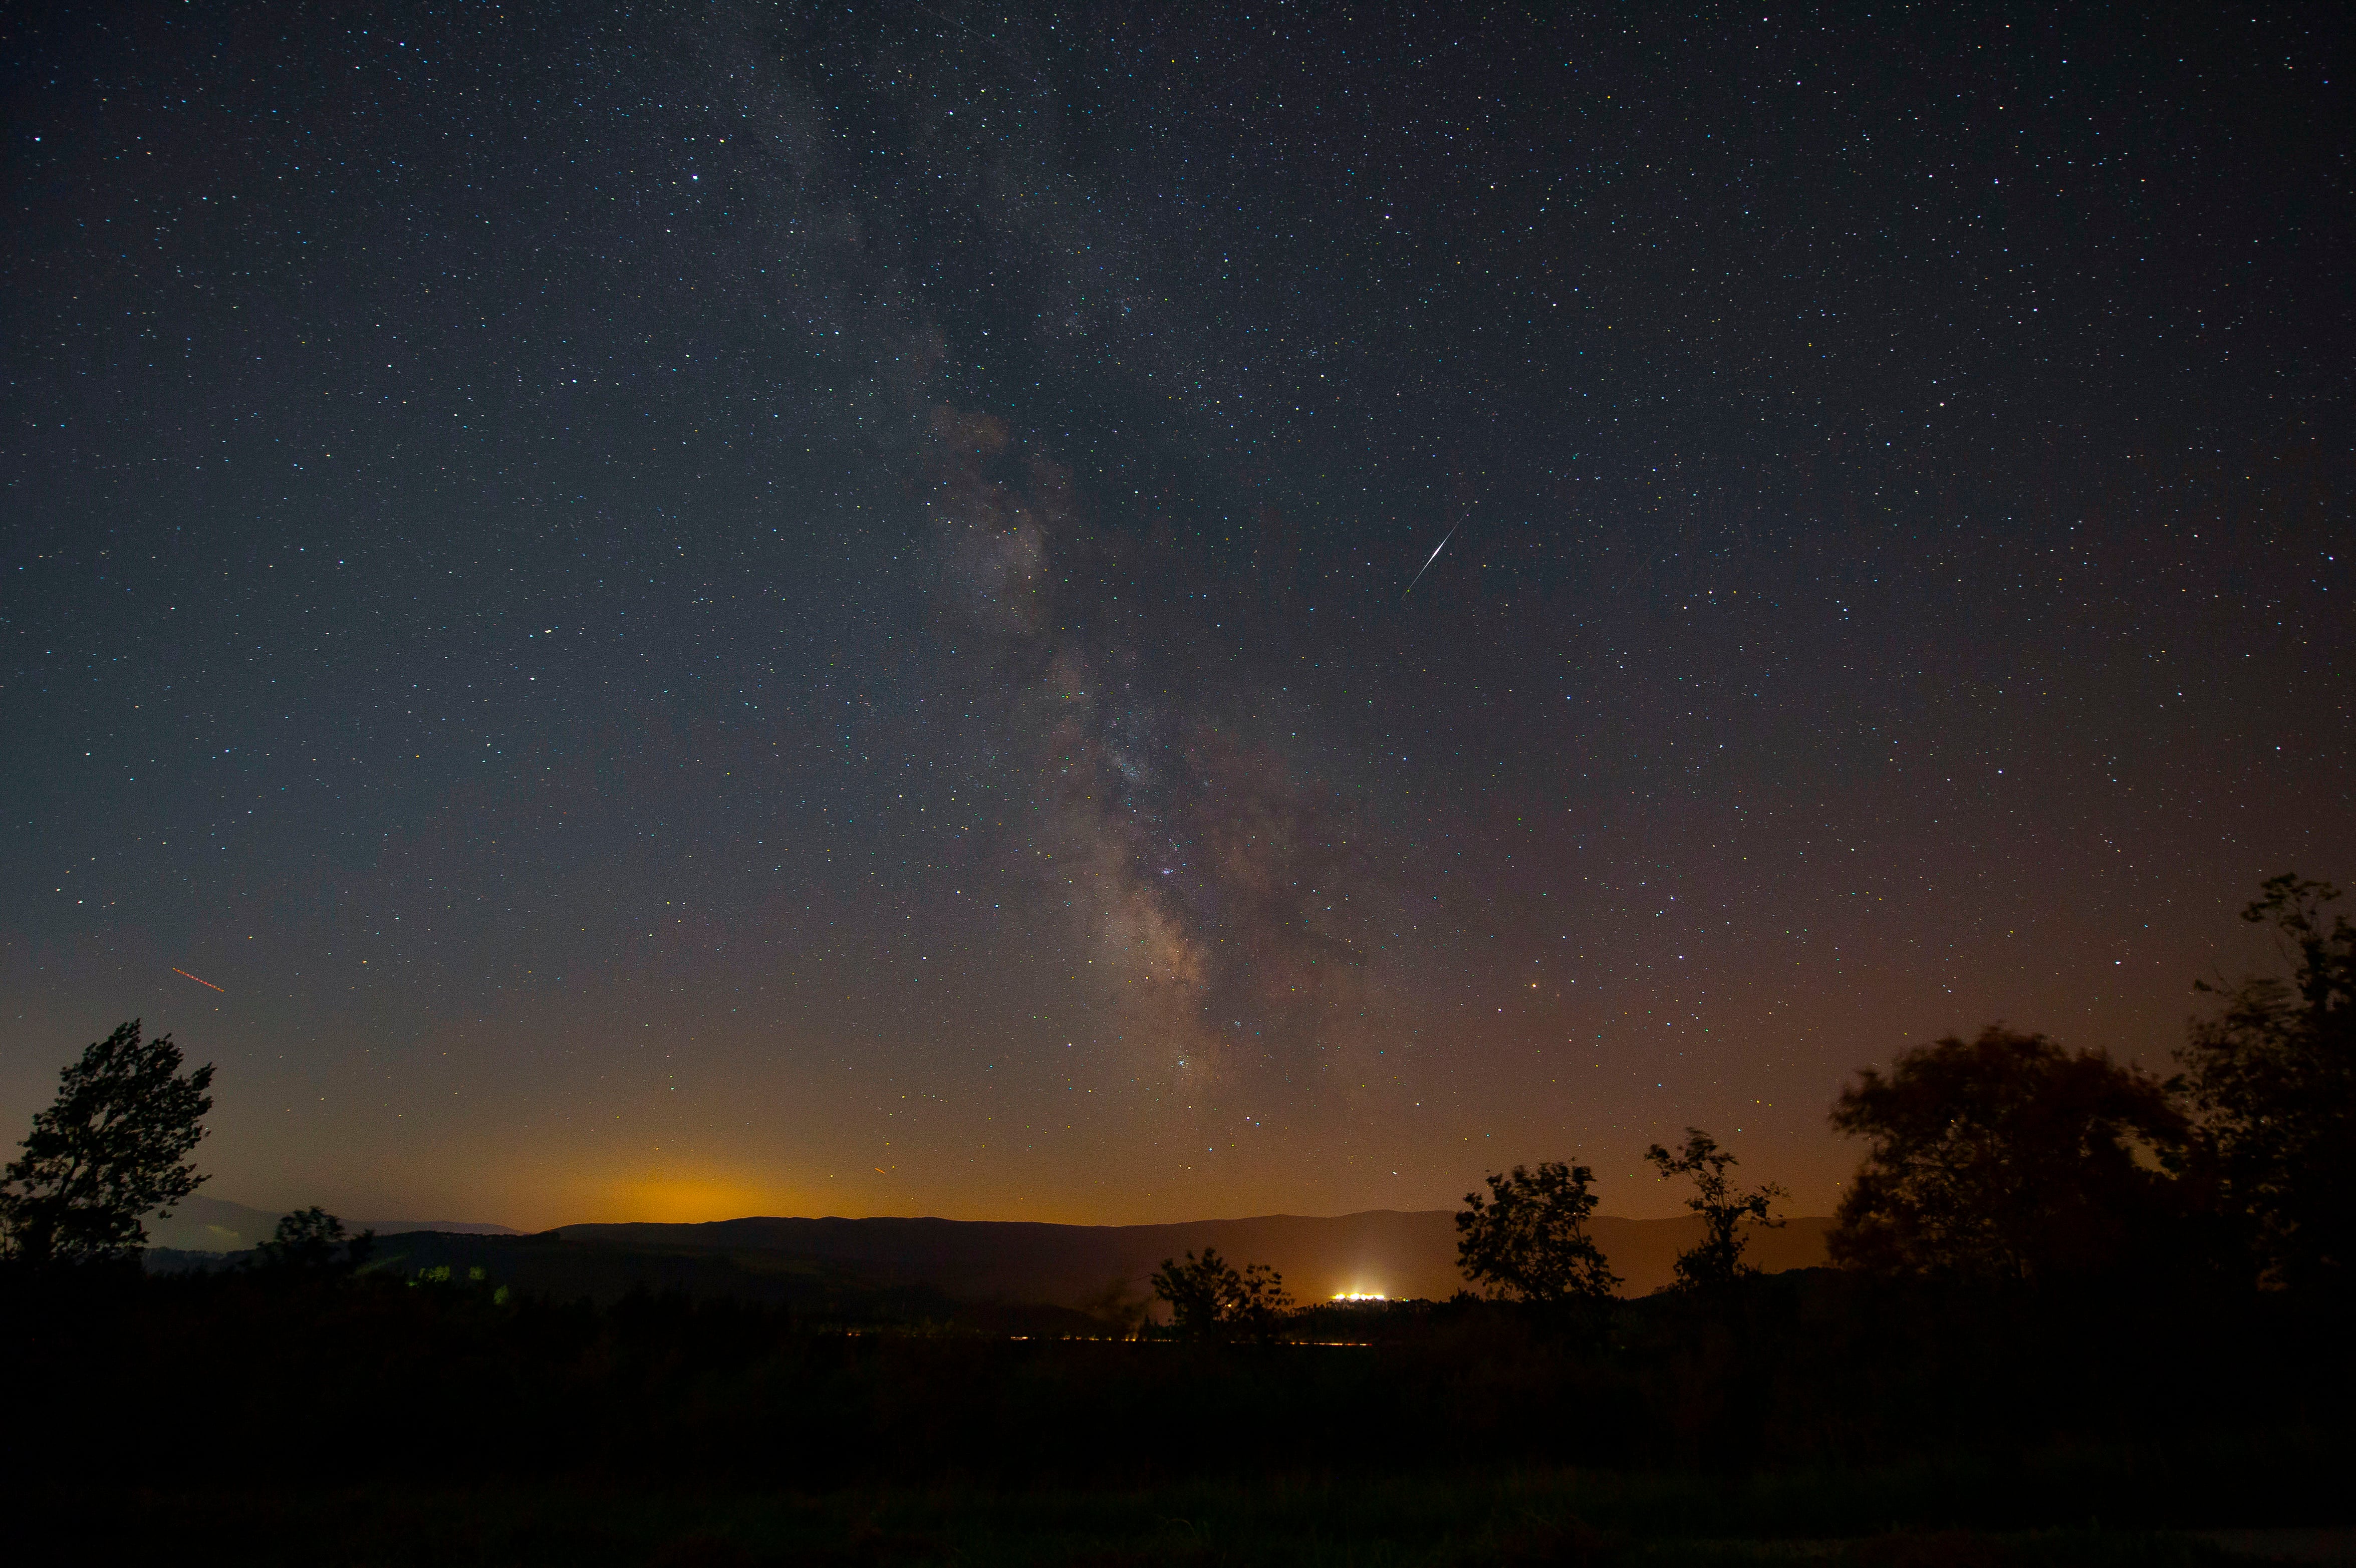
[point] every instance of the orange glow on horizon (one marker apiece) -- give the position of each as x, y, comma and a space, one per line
684, 1198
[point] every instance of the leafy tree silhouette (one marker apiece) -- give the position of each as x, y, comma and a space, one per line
1264, 1301
312, 1240
1198, 1291
113, 1147
2270, 1075
1208, 1299
1527, 1240
1717, 1260
2005, 1158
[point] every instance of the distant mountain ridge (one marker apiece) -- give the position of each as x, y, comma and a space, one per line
1388, 1252
1391, 1253
201, 1224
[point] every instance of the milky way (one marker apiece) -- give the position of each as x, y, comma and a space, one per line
806, 609
1203, 868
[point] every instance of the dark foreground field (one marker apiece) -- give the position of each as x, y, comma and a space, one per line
1808, 1417
2045, 1511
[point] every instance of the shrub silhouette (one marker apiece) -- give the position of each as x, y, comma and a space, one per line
1208, 1299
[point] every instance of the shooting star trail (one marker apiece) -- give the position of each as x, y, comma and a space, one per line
1429, 559
198, 979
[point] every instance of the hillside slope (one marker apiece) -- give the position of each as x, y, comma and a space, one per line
201, 1224
1379, 1251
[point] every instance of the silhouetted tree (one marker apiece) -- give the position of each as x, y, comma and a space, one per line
1196, 1291
2272, 1078
313, 1240
1208, 1299
1528, 1240
1718, 1262
113, 1147
1265, 1302
2008, 1157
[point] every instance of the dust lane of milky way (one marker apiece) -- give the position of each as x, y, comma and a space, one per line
755, 610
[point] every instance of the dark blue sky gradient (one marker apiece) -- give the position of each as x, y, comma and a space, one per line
744, 610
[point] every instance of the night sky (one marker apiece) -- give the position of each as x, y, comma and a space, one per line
725, 608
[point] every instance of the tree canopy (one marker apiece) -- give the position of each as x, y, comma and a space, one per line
312, 1240
2271, 1077
1208, 1299
2008, 1157
113, 1148
1527, 1240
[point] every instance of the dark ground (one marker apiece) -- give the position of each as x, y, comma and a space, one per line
1813, 1416
1899, 1518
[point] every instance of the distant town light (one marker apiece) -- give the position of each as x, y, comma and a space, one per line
1361, 1295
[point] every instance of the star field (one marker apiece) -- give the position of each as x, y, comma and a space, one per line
736, 609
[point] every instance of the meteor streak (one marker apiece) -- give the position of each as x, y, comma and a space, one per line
199, 980
1429, 559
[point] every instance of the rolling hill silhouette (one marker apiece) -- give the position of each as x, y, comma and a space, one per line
1379, 1251
925, 1267
201, 1224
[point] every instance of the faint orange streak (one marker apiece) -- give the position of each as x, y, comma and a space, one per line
198, 979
